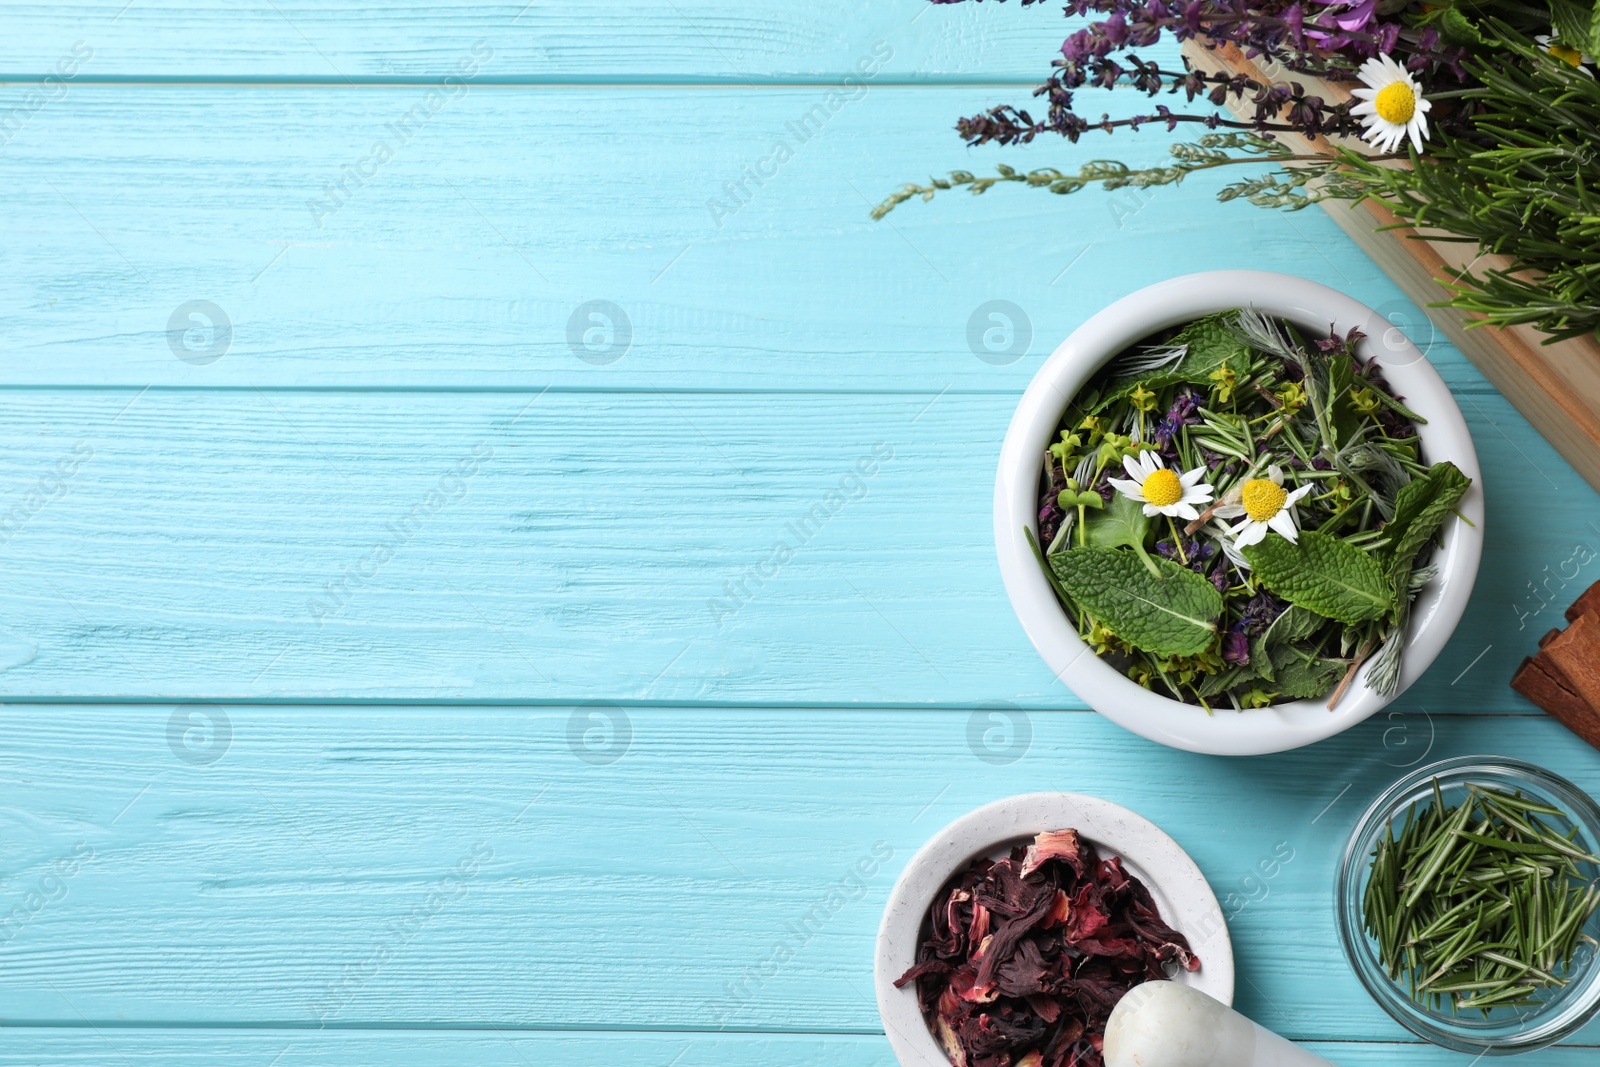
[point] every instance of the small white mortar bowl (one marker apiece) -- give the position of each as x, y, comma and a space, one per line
1434, 613
1181, 893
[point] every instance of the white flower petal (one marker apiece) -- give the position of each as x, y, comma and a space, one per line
1127, 488
1388, 136
1197, 494
1294, 497
1229, 511
1192, 477
1151, 511
1275, 474
1253, 533
1150, 462
1131, 465
1283, 522
1185, 510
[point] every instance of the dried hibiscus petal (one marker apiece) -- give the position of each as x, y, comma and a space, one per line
1023, 958
1055, 845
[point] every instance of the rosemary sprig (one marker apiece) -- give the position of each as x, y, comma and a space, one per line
1481, 905
1525, 184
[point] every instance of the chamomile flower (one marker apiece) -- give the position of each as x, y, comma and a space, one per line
1264, 505
1392, 107
1162, 491
1572, 57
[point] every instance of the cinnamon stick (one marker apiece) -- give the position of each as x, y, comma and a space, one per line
1563, 679
1574, 657
1535, 681
1587, 603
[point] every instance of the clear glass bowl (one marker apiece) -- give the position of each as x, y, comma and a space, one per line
1506, 1031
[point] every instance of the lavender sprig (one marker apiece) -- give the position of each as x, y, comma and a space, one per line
1292, 35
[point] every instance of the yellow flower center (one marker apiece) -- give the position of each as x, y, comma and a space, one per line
1262, 499
1162, 488
1396, 103
1570, 56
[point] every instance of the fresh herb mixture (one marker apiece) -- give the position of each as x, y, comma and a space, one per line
1482, 905
1236, 514
1022, 959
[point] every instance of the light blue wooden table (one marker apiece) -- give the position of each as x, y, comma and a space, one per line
399, 414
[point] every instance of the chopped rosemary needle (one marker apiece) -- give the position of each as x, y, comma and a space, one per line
1479, 905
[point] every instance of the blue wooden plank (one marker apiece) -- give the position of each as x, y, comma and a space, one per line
199, 237
621, 40
298, 1048
602, 868
677, 548
310, 515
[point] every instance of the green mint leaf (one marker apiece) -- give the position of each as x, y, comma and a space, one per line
1342, 417
1173, 615
1420, 508
1274, 644
1211, 343
1223, 681
1270, 651
1122, 523
1323, 574
1456, 28
1304, 677
1575, 23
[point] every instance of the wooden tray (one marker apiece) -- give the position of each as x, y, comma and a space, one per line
1555, 386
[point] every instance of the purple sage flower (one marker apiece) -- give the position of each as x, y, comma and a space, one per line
1331, 28
1219, 578
1183, 412
1235, 648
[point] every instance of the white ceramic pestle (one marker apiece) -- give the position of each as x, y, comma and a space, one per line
1164, 1024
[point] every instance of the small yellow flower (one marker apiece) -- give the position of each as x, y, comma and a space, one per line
1257, 698
1190, 669
1365, 401
1104, 640
1292, 396
1116, 447
1227, 382
1066, 448
1142, 398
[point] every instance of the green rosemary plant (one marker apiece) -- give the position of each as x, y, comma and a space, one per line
1494, 107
